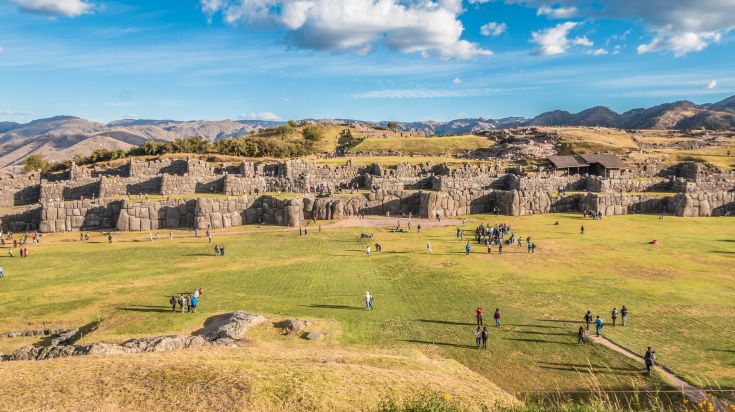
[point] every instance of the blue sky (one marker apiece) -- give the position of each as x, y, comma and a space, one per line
366, 59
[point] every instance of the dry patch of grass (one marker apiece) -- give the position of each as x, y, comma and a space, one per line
597, 139
423, 145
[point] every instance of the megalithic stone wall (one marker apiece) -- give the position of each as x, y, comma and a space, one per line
76, 215
149, 215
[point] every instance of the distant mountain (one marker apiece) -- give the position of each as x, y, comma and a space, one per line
62, 137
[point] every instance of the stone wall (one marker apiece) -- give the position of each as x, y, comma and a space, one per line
139, 168
69, 216
178, 185
149, 215
248, 209
703, 204
18, 191
87, 187
21, 221
123, 186
240, 185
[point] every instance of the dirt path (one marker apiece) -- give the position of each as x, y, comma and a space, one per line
693, 393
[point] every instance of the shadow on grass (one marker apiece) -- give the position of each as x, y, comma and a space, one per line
345, 307
446, 322
539, 341
581, 366
535, 326
200, 254
530, 332
560, 321
721, 350
593, 371
159, 309
453, 345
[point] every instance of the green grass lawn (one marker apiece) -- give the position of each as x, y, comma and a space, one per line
679, 292
424, 145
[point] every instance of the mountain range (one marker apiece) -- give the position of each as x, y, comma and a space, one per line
61, 137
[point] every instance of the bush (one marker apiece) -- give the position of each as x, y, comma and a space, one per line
313, 133
36, 162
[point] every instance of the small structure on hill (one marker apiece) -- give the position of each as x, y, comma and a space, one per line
598, 164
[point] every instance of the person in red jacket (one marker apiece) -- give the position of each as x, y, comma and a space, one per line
479, 314
497, 317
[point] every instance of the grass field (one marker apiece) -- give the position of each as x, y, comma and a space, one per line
595, 140
679, 293
423, 145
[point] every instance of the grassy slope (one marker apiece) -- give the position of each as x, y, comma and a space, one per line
423, 302
423, 145
591, 140
263, 376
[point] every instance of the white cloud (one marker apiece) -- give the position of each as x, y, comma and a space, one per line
677, 26
260, 116
554, 40
557, 12
597, 52
457, 80
493, 29
15, 113
680, 44
431, 28
66, 8
582, 41
712, 84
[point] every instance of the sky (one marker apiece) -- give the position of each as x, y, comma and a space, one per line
360, 59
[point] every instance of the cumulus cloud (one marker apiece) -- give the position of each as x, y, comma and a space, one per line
65, 8
554, 40
712, 84
493, 29
260, 116
556, 12
677, 26
680, 44
431, 28
597, 52
582, 41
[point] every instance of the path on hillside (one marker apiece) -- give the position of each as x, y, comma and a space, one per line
690, 391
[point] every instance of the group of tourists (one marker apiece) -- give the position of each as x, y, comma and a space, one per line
480, 316
591, 214
219, 250
19, 243
189, 301
599, 323
496, 235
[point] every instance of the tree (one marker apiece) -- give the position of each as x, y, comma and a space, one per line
313, 133
151, 148
36, 162
392, 125
293, 123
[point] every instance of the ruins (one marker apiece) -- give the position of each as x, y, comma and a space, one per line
291, 192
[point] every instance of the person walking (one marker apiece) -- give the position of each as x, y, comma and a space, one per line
428, 248
216, 250
650, 359
187, 299
221, 250
479, 315
467, 248
172, 302
500, 247
580, 336
624, 315
194, 302
598, 326
367, 251
485, 336
478, 337
614, 315
588, 319
2, 272
581, 230
182, 302
368, 301
497, 317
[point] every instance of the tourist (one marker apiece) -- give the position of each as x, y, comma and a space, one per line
489, 247
529, 245
2, 272
24, 252
478, 337
172, 301
368, 301
580, 336
187, 300
624, 315
485, 336
500, 247
182, 302
10, 252
150, 236
418, 228
170, 234
221, 250
194, 302
157, 236
581, 230
428, 247
650, 359
216, 250
598, 326
614, 315
588, 319
367, 251
109, 238
479, 314
497, 317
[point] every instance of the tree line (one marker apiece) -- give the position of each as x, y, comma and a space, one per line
282, 141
